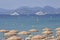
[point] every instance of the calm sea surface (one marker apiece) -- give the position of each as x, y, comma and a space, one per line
26, 22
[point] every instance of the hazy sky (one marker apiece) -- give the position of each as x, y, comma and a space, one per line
13, 4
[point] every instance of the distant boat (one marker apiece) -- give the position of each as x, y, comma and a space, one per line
15, 13
40, 13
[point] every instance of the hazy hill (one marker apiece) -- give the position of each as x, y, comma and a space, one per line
31, 10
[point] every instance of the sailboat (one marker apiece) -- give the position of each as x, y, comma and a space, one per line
15, 13
40, 13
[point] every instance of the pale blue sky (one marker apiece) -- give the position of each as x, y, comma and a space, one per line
13, 4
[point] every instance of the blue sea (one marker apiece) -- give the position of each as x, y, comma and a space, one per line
26, 22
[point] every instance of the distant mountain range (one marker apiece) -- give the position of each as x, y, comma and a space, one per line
31, 10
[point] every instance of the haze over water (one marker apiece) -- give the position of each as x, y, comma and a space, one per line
26, 22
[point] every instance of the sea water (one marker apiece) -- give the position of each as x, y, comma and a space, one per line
22, 23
